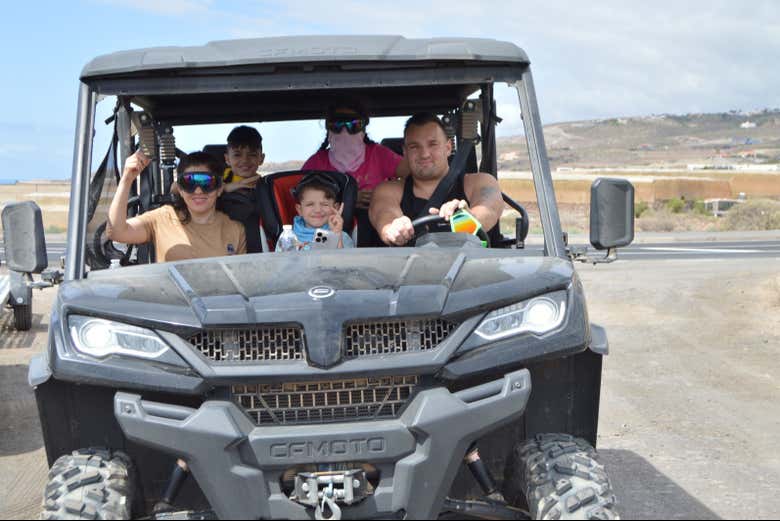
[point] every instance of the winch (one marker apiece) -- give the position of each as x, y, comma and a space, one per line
325, 491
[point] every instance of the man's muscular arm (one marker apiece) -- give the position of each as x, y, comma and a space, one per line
484, 194
386, 215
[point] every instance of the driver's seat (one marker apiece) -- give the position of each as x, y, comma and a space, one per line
277, 204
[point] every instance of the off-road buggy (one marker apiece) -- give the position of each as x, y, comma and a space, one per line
445, 379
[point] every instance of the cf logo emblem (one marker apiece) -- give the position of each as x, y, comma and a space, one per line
321, 292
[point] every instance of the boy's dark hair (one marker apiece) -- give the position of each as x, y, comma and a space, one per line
244, 136
424, 118
314, 184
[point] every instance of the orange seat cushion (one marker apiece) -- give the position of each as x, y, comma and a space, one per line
285, 202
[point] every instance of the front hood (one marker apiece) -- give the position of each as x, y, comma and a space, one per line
280, 288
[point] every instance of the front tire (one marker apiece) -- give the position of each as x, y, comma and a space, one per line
89, 484
559, 477
23, 317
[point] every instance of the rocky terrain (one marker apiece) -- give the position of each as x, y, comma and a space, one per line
707, 141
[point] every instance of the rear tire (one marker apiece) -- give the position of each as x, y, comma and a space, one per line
559, 477
23, 317
89, 484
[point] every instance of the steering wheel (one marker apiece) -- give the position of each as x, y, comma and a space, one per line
421, 228
421, 224
103, 248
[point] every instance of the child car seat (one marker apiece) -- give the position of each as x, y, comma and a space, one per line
278, 208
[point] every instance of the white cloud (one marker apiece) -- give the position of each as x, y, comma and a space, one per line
590, 60
14, 149
164, 7
608, 59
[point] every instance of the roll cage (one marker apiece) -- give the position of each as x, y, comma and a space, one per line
284, 79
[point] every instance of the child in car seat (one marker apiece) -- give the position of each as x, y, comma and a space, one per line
319, 223
243, 157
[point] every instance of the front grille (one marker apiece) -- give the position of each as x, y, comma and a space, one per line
265, 344
325, 402
394, 336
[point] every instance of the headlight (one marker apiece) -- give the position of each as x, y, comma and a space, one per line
538, 315
101, 338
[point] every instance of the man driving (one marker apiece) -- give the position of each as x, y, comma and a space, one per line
396, 203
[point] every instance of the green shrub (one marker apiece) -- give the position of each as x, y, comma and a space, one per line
640, 208
675, 205
759, 214
53, 228
699, 207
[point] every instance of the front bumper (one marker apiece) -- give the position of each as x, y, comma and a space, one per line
238, 465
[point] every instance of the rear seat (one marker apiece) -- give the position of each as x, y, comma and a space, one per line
278, 207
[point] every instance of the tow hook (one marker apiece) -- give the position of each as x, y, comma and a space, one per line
327, 505
324, 491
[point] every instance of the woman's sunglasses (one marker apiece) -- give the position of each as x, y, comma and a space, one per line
353, 126
206, 181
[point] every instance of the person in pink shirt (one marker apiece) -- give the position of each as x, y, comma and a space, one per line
347, 148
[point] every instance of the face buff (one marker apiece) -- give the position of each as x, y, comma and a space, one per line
347, 151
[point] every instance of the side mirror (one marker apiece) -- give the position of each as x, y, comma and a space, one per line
611, 213
23, 237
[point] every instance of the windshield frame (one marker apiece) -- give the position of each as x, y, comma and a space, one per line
90, 92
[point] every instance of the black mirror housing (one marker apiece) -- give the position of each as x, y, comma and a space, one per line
23, 237
611, 213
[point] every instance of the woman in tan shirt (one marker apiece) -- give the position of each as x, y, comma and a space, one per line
190, 229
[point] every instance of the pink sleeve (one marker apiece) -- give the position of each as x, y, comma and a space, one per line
389, 161
319, 161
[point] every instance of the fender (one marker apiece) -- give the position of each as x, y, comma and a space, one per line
598, 340
39, 371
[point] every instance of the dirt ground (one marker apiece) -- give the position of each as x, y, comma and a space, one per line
690, 415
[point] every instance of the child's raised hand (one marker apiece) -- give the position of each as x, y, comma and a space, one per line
336, 221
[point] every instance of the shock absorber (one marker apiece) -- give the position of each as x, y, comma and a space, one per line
147, 138
178, 477
482, 474
167, 156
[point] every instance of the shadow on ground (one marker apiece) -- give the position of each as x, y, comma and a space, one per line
20, 430
10, 338
645, 493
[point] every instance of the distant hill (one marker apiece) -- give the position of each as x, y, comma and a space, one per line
281, 167
710, 140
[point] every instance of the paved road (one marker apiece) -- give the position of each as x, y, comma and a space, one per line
686, 250
689, 413
693, 250
637, 251
54, 250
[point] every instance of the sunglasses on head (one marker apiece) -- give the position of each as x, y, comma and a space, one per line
206, 181
353, 125
320, 179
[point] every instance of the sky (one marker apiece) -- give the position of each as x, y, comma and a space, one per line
590, 60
